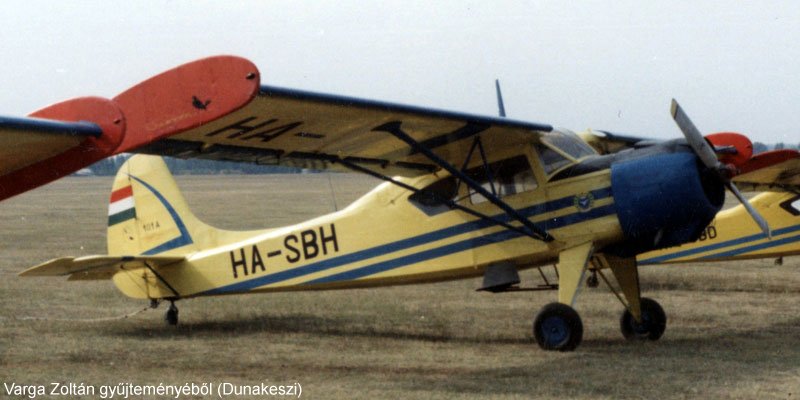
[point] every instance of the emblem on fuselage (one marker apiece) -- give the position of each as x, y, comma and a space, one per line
583, 201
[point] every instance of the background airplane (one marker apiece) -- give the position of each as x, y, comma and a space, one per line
65, 137
733, 235
488, 196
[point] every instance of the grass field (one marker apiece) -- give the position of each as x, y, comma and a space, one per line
733, 329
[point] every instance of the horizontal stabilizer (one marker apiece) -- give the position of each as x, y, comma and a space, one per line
90, 267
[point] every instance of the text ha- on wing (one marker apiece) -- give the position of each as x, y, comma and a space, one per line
311, 130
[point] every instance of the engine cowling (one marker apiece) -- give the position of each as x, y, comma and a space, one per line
663, 200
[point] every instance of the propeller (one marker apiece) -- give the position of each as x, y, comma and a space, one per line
708, 156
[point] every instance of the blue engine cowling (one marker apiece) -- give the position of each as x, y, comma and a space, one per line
663, 200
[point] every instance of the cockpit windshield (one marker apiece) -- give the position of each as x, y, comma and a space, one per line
561, 148
568, 142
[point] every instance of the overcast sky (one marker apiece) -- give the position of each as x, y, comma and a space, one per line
611, 65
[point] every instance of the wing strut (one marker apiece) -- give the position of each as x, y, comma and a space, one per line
532, 230
477, 144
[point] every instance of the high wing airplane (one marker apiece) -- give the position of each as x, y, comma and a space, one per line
68, 136
465, 196
733, 236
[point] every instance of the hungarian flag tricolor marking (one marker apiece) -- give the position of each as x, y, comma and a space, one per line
121, 207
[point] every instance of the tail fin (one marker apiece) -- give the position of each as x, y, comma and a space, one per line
147, 214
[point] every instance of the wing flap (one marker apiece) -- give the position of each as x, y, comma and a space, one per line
311, 130
97, 267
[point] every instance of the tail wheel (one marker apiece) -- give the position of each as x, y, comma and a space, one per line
172, 314
558, 327
654, 322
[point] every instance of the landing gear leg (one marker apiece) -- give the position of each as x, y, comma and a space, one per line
643, 318
172, 314
558, 326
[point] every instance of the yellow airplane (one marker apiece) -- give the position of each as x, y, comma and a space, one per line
733, 236
465, 196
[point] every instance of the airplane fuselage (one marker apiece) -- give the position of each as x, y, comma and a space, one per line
385, 239
394, 236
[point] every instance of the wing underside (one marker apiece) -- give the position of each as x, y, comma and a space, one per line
784, 175
26, 141
310, 130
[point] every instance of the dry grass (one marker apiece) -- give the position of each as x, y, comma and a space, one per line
734, 330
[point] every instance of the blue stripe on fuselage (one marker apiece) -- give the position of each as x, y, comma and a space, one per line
755, 247
716, 246
463, 245
426, 238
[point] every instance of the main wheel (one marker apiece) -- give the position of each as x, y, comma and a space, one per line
558, 327
654, 322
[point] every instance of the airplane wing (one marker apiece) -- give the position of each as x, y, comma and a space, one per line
56, 141
97, 267
311, 130
778, 169
24, 141
65, 137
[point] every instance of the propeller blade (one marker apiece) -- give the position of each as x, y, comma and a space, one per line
694, 138
762, 223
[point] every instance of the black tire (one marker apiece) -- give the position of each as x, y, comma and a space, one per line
558, 327
172, 315
654, 322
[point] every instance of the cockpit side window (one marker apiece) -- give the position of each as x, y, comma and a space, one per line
437, 193
792, 206
503, 178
